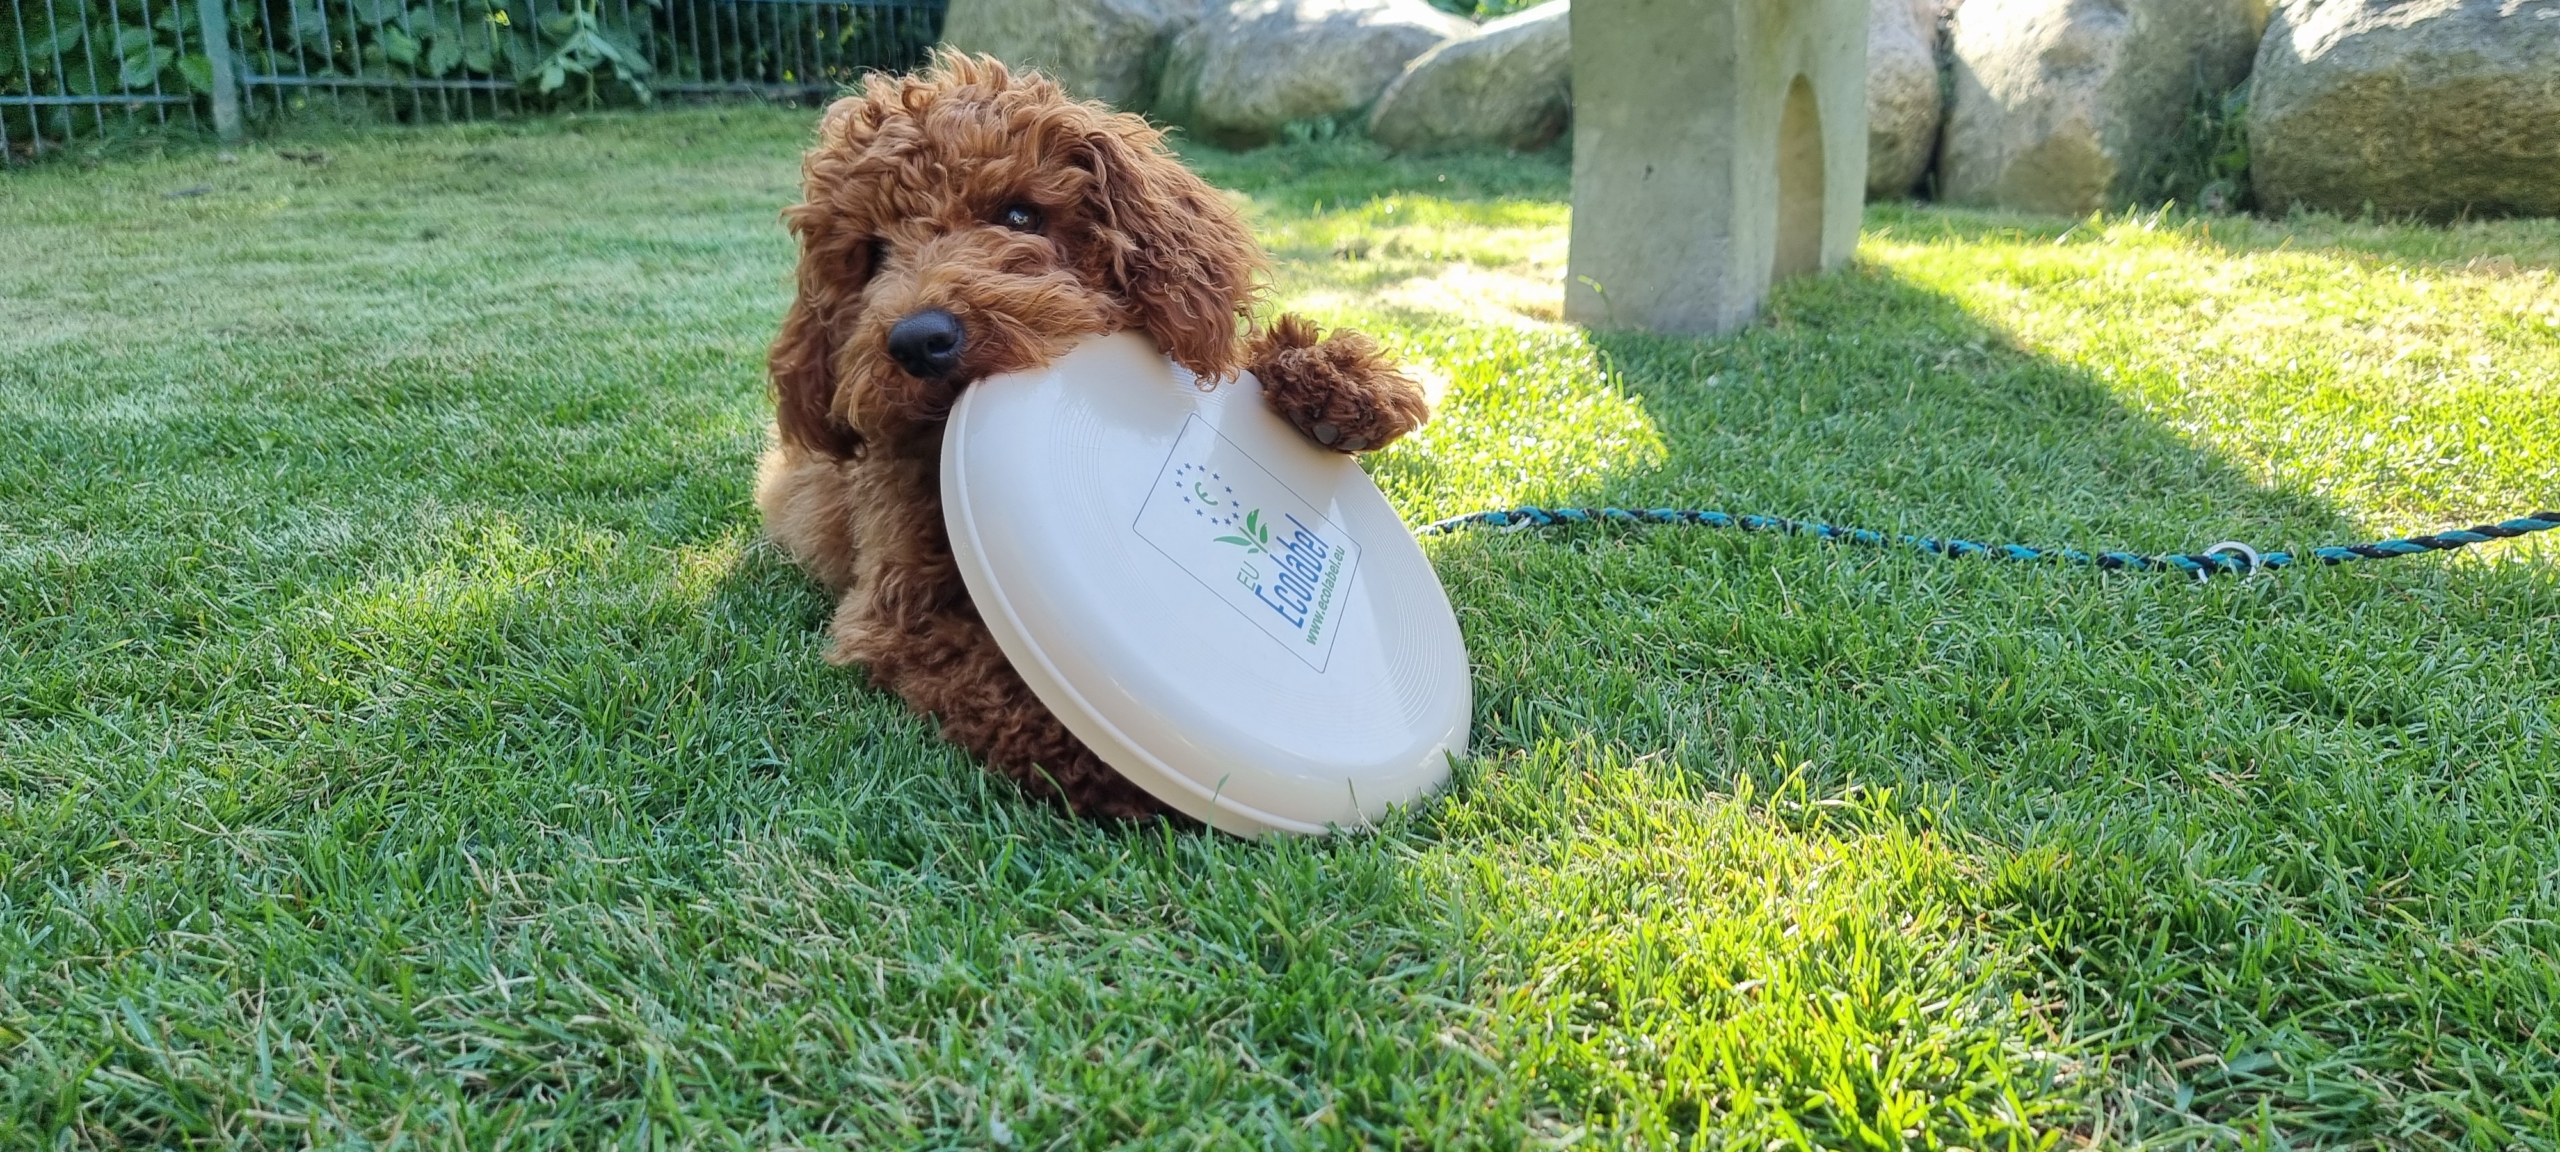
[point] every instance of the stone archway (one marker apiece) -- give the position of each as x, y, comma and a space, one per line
1800, 190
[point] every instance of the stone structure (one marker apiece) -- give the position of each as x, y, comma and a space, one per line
2430, 109
2076, 105
1719, 146
1510, 85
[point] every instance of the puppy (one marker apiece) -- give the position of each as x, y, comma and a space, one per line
963, 222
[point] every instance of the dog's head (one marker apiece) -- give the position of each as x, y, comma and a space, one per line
964, 221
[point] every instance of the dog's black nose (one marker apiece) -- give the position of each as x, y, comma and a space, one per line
928, 343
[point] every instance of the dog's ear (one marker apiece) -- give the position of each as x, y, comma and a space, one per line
834, 262
801, 366
1165, 242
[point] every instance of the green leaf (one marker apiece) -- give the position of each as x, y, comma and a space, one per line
581, 50
479, 47
443, 55
398, 47
144, 67
559, 25
64, 39
553, 76
131, 41
626, 56
198, 71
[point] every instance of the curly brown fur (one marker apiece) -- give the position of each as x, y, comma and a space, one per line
916, 198
1343, 393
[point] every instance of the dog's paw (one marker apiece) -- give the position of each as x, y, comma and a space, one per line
1342, 391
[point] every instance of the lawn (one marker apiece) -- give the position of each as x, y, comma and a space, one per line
405, 737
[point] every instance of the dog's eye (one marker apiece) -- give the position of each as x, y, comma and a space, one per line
1020, 218
876, 253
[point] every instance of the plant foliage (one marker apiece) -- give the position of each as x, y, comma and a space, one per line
96, 47
401, 56
2209, 165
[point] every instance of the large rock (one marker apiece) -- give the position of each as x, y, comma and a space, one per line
1108, 50
1904, 103
2074, 105
1510, 85
1250, 66
2431, 109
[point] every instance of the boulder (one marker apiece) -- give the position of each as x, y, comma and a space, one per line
2076, 105
1250, 66
1107, 50
1509, 85
1904, 101
1903, 96
2433, 109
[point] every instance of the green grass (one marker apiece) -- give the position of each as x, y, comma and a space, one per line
404, 738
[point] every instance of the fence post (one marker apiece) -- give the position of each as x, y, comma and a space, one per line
217, 51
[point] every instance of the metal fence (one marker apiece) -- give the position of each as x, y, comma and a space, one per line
84, 69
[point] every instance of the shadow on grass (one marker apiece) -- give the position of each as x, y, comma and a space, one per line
1866, 400
2159, 812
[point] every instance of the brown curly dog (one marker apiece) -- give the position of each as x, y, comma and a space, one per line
963, 222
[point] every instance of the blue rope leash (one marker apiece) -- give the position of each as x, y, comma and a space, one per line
2225, 557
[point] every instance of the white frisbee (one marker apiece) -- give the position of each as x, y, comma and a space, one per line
1228, 614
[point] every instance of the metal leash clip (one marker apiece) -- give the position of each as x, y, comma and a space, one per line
2247, 556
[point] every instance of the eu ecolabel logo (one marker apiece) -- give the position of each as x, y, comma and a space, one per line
1241, 532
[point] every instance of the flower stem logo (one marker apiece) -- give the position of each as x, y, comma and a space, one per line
1212, 499
1257, 535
